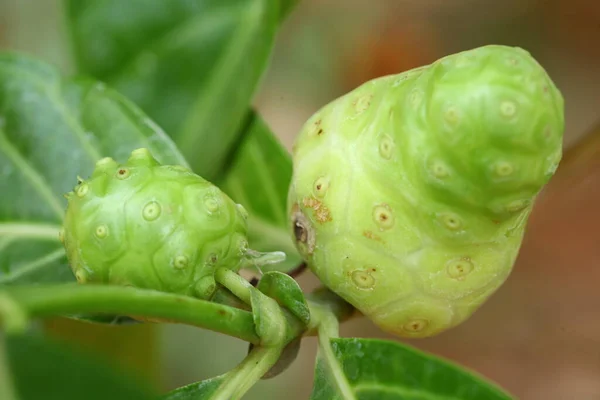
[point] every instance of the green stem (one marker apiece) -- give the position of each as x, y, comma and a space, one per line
326, 321
233, 282
46, 301
7, 390
239, 380
324, 305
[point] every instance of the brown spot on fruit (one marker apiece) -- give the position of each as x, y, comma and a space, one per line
123, 173
101, 231
460, 268
320, 186
450, 220
303, 231
300, 233
363, 279
416, 325
316, 129
386, 147
320, 210
383, 216
373, 236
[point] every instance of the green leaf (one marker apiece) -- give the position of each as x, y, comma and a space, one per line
269, 320
192, 65
53, 129
196, 391
386, 370
258, 178
42, 369
286, 291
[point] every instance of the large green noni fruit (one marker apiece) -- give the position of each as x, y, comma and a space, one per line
154, 226
411, 193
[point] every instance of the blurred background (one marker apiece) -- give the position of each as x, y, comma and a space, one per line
539, 335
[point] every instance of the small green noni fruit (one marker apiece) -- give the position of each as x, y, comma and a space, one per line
154, 226
411, 193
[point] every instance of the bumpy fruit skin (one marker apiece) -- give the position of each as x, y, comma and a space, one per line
152, 226
411, 193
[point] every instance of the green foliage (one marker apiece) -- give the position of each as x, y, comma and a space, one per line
191, 65
383, 370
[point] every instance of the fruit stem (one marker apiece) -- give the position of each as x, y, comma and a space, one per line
325, 320
239, 380
324, 304
233, 282
68, 299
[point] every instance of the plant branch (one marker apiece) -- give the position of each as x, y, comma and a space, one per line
326, 322
150, 305
325, 304
239, 380
234, 283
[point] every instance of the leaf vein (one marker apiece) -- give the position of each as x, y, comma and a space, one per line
221, 73
402, 391
36, 180
53, 96
34, 265
342, 386
30, 231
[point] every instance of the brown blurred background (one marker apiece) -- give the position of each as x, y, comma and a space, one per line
539, 335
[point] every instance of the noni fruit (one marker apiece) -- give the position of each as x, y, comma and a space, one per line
154, 226
411, 193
